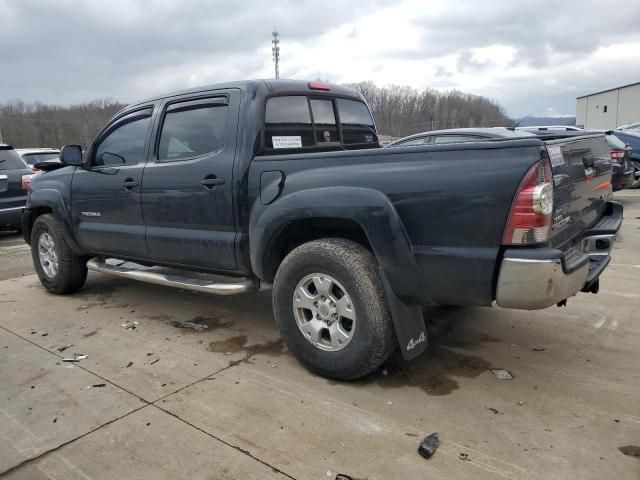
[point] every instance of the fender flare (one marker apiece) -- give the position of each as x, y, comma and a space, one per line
51, 199
379, 220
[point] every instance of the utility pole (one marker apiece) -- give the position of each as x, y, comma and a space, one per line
275, 49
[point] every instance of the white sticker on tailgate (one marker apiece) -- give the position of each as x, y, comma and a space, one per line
555, 155
294, 141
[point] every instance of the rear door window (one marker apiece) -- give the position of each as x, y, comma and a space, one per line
356, 123
288, 123
10, 160
193, 128
33, 158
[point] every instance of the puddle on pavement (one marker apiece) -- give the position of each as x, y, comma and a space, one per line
239, 344
435, 371
631, 451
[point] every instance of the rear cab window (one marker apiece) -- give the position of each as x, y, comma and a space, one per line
295, 123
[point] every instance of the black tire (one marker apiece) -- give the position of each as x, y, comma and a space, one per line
636, 169
357, 270
72, 269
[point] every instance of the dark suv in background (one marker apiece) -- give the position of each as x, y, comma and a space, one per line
15, 178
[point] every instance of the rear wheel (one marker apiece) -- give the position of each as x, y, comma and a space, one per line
636, 174
331, 309
59, 270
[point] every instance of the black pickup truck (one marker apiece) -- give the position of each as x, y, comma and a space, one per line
282, 184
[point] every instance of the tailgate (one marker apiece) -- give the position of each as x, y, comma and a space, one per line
582, 183
12, 195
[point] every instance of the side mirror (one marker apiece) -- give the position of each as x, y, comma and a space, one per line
71, 155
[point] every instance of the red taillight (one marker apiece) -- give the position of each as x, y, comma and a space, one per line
26, 181
319, 86
530, 214
617, 155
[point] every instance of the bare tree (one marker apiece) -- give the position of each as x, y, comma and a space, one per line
39, 125
401, 111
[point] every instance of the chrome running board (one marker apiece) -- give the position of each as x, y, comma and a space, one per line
199, 282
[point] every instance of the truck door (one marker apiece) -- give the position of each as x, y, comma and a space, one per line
105, 194
187, 190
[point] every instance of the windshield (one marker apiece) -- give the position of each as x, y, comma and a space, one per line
33, 158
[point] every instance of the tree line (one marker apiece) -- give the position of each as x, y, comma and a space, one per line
36, 124
398, 111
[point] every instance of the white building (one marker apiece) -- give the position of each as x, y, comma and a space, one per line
610, 108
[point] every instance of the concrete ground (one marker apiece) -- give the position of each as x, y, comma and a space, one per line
229, 402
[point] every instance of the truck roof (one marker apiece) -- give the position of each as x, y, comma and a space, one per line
272, 85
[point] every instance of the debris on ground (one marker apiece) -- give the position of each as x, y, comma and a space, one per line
429, 445
99, 385
197, 324
521, 403
502, 374
128, 365
630, 450
130, 326
341, 476
464, 457
538, 349
494, 410
155, 360
76, 357
63, 348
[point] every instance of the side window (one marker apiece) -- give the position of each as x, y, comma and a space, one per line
193, 128
288, 123
125, 141
414, 141
10, 160
324, 119
456, 138
356, 122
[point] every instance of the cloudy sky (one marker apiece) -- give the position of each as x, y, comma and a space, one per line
534, 57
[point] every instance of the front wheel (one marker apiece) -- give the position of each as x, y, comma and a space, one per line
331, 309
59, 270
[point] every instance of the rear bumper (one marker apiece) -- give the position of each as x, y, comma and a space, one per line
536, 278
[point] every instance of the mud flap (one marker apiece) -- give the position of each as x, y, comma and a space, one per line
409, 324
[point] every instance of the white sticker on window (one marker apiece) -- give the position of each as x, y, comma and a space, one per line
555, 155
293, 141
